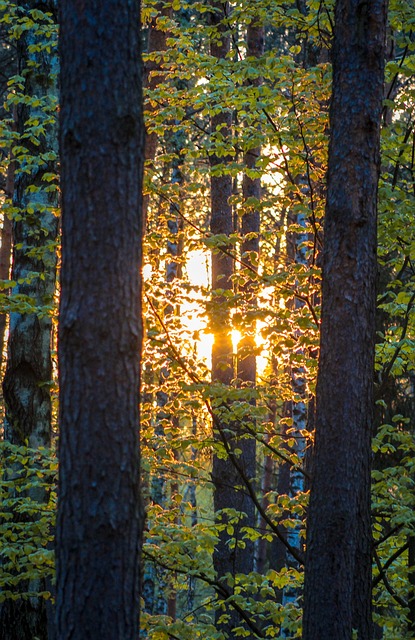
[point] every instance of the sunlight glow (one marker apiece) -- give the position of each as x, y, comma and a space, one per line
197, 268
192, 315
198, 271
236, 337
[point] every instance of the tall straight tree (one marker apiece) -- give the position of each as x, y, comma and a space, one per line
26, 384
100, 519
337, 594
249, 228
221, 222
229, 557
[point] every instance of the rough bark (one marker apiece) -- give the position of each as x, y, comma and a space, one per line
99, 525
26, 384
338, 564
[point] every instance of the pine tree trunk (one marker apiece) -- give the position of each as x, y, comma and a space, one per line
99, 526
227, 558
246, 356
338, 564
26, 384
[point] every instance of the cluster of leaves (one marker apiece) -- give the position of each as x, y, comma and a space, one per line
28, 505
28, 135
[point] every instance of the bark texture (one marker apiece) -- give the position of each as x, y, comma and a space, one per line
29, 366
99, 524
26, 384
338, 564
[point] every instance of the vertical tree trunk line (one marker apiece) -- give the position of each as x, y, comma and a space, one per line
156, 41
99, 523
337, 592
228, 557
155, 599
6, 248
249, 229
28, 375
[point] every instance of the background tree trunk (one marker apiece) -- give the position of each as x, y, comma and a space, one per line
246, 356
228, 557
338, 564
100, 519
28, 375
6, 249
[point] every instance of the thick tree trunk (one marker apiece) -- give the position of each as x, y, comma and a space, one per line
338, 564
26, 384
99, 524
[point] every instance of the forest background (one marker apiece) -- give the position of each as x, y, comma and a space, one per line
237, 106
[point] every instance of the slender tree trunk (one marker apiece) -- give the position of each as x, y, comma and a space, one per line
263, 546
99, 525
250, 224
156, 600
411, 580
6, 249
298, 414
26, 384
156, 41
338, 565
251, 189
29, 368
229, 557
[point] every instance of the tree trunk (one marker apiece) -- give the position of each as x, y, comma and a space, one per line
29, 367
411, 581
156, 41
99, 525
26, 384
337, 594
250, 224
229, 557
6, 249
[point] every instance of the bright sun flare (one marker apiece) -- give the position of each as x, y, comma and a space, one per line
197, 268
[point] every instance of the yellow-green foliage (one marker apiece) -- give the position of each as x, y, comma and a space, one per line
27, 516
